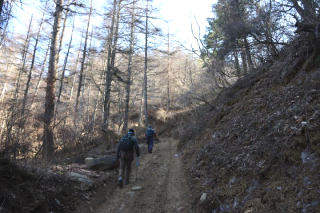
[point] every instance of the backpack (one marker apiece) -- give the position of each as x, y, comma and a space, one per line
126, 144
149, 132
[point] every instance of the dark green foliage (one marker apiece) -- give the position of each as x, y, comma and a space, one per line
245, 34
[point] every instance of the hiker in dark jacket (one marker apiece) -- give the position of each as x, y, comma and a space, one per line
125, 152
150, 134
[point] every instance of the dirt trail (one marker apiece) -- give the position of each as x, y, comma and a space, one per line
164, 188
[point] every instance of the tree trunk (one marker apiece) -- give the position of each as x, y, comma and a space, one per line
25, 96
272, 49
88, 105
48, 143
120, 109
4, 21
248, 54
102, 163
65, 66
268, 24
43, 66
306, 10
141, 106
24, 61
244, 61
63, 74
168, 74
236, 62
67, 2
4, 89
75, 71
62, 30
89, 83
12, 117
112, 44
145, 79
1, 7
128, 85
81, 74
97, 100
108, 70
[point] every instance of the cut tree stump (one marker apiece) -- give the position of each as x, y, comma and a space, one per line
102, 163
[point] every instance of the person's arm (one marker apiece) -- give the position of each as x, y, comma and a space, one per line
136, 146
137, 150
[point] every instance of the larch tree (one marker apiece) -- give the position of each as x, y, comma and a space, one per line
5, 14
129, 70
13, 110
48, 141
27, 87
110, 69
82, 67
64, 68
145, 75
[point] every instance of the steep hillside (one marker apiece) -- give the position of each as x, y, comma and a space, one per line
259, 149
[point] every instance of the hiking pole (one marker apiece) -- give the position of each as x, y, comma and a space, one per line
137, 164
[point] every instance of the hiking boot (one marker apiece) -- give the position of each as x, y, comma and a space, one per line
120, 182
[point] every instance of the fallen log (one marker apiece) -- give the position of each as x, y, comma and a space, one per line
103, 163
79, 177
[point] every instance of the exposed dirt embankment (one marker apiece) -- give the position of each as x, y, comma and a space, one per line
60, 186
25, 191
258, 150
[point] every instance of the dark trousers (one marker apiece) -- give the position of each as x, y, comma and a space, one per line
126, 158
150, 144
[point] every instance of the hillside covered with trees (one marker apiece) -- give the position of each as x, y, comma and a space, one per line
237, 118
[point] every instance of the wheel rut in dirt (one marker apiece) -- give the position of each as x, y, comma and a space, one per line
160, 185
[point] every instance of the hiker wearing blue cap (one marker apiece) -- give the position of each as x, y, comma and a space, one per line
150, 133
125, 152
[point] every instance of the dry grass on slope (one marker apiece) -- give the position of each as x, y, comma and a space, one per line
253, 156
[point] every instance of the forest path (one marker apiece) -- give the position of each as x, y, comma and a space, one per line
162, 181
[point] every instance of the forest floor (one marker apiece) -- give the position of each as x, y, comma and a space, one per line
160, 185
